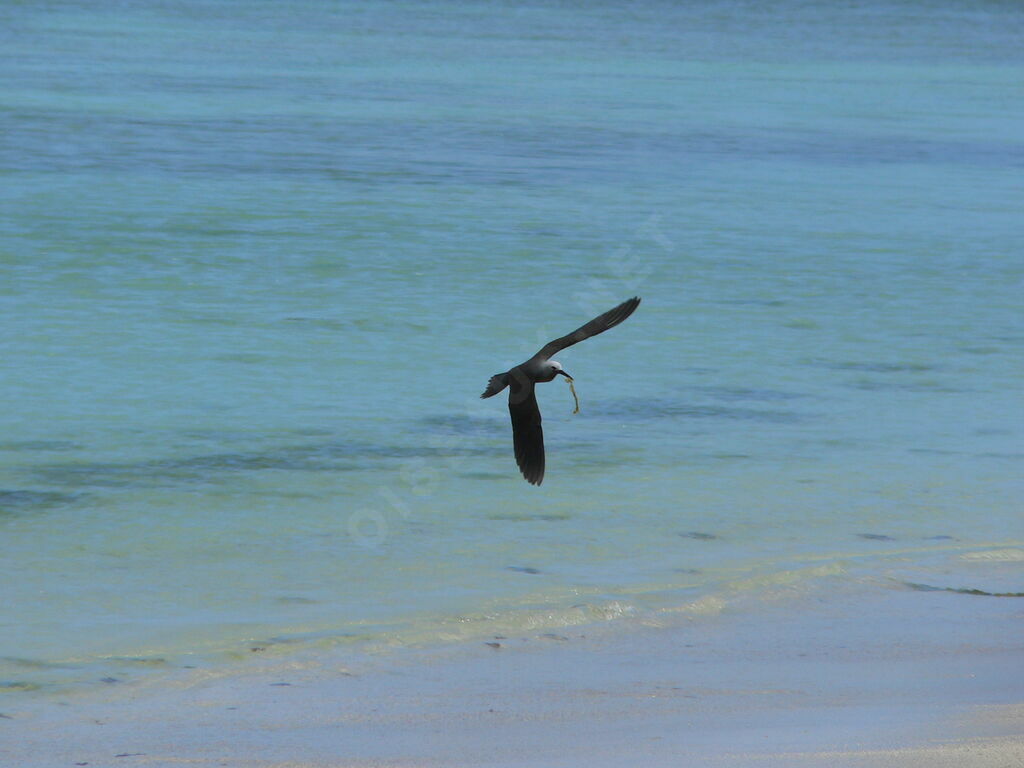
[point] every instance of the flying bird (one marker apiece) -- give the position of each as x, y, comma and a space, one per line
527, 435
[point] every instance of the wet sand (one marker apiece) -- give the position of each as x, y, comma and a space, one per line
881, 677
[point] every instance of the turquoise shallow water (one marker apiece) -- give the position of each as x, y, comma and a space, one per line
256, 266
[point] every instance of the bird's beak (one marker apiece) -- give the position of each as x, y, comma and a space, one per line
564, 373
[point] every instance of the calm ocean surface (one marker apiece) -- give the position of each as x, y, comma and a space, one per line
259, 259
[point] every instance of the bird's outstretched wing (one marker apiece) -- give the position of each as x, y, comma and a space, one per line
599, 324
527, 435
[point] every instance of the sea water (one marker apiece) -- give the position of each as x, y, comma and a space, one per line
259, 259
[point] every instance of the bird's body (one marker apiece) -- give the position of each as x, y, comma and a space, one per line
527, 434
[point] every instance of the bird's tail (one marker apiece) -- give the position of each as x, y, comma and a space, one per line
497, 383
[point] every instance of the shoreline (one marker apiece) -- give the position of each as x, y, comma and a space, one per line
872, 677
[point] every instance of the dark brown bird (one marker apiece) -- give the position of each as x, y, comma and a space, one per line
527, 435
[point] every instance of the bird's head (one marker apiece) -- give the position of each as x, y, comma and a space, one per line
555, 368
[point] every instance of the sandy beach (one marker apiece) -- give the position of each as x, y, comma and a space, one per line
820, 680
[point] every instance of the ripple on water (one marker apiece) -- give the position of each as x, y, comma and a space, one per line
523, 517
39, 445
323, 457
22, 501
644, 408
737, 394
461, 424
879, 367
